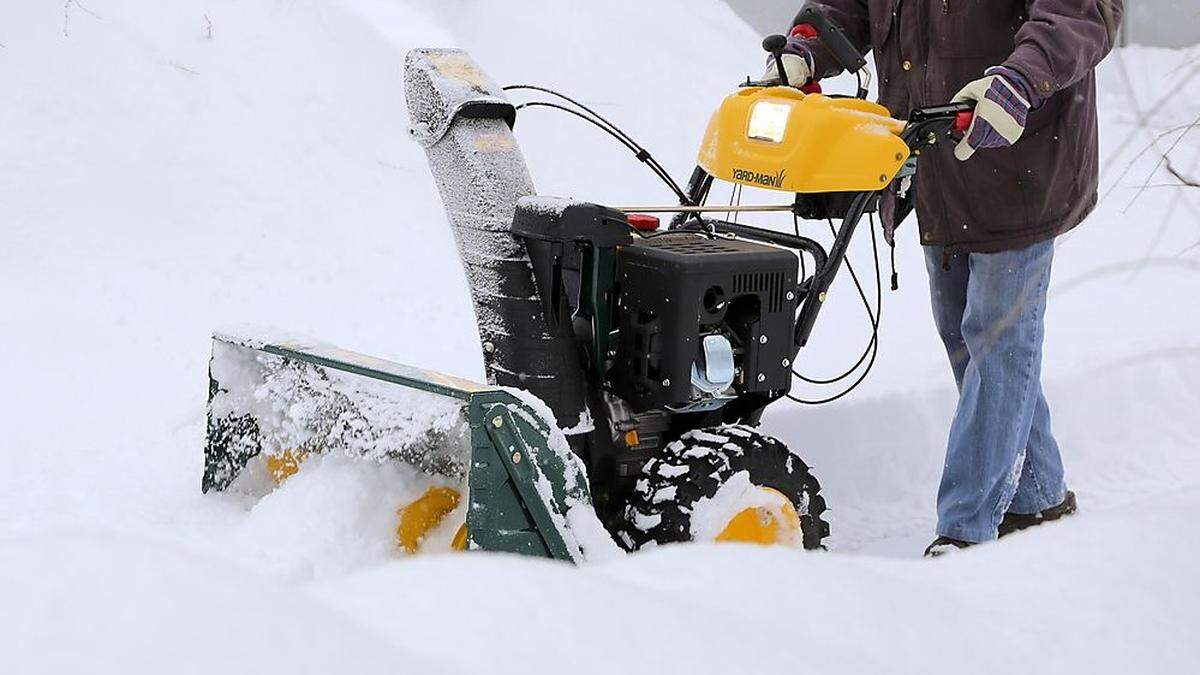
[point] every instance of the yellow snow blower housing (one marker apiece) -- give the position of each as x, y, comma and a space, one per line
779, 138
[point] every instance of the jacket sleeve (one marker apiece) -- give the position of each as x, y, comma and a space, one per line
853, 17
1063, 40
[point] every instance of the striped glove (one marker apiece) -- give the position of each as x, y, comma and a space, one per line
1002, 102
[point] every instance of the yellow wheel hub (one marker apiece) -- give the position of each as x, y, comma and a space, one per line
285, 464
777, 523
424, 515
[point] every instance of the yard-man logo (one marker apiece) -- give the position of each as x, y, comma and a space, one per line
765, 179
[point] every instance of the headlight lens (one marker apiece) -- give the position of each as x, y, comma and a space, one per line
768, 121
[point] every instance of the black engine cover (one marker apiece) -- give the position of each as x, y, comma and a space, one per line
673, 289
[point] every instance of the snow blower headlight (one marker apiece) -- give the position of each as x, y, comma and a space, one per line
768, 121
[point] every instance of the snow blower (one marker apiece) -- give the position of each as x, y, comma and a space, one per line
628, 363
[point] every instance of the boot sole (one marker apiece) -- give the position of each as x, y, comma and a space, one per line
1017, 522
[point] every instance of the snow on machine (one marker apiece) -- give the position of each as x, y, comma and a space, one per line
628, 364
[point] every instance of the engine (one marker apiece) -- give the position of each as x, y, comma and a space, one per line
701, 321
675, 321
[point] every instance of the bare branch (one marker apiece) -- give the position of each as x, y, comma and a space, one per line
208, 28
1124, 267
1188, 60
1179, 176
1164, 160
1159, 186
86, 10
67, 15
1144, 118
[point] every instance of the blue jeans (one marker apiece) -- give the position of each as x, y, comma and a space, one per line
1001, 455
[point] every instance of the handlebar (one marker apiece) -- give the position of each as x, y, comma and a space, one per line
833, 37
938, 119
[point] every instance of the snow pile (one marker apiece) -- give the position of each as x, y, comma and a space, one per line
172, 167
103, 602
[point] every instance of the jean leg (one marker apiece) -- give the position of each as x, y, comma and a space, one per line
948, 293
1042, 483
1003, 330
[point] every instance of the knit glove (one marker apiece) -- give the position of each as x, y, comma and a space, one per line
798, 71
1002, 102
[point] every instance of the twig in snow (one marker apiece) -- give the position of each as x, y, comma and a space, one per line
208, 28
183, 68
67, 15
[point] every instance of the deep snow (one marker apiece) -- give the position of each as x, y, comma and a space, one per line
170, 168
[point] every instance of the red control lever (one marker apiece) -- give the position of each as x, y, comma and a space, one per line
807, 31
962, 122
804, 30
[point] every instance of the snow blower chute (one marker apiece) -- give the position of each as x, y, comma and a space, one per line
655, 349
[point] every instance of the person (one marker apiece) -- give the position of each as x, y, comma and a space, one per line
989, 208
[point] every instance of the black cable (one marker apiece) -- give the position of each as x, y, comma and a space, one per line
874, 331
632, 147
568, 99
870, 317
600, 121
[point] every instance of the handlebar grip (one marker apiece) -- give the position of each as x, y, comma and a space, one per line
833, 37
963, 121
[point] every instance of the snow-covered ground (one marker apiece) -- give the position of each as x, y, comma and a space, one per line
170, 168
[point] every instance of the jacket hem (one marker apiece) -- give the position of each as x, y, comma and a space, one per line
1022, 238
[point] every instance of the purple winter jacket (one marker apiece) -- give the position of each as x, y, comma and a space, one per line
926, 50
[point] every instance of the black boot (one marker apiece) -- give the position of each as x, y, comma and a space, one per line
944, 545
1014, 522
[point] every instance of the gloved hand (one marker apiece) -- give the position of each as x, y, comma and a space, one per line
1002, 102
795, 66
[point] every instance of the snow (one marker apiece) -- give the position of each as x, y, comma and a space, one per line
299, 405
159, 182
710, 516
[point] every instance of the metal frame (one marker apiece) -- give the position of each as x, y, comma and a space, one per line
925, 126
